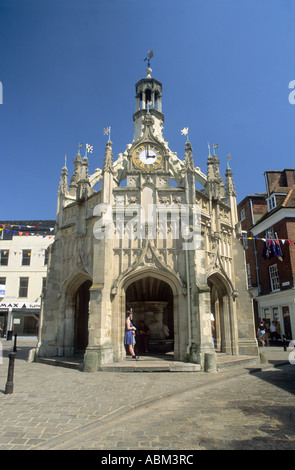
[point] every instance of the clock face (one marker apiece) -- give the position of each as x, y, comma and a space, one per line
147, 156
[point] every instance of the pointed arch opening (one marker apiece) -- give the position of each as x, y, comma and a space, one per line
151, 300
82, 298
221, 307
76, 314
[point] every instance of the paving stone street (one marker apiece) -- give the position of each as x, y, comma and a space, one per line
55, 408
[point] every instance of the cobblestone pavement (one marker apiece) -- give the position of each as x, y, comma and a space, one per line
59, 408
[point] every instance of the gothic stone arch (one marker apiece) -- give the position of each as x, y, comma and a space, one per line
223, 309
73, 330
179, 309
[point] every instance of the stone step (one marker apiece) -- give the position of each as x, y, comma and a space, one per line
70, 363
152, 364
225, 361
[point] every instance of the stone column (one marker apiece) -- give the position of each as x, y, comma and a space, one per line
201, 328
69, 325
99, 350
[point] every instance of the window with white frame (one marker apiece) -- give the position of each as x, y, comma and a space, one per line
274, 277
26, 257
4, 255
271, 203
243, 215
23, 287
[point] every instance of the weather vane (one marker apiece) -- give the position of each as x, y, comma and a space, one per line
185, 132
107, 131
148, 57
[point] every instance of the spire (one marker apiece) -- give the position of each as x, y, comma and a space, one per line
76, 174
215, 184
63, 183
83, 184
188, 157
229, 182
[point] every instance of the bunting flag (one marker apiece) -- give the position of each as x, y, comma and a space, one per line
4, 252
283, 240
271, 246
46, 231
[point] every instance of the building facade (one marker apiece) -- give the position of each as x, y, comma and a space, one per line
23, 273
146, 240
268, 221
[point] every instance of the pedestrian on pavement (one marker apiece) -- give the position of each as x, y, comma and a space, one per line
273, 331
278, 330
261, 332
129, 334
267, 330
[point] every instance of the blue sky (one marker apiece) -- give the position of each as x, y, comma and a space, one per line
69, 67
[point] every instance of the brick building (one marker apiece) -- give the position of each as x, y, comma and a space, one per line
268, 225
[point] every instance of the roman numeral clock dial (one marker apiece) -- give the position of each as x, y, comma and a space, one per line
147, 157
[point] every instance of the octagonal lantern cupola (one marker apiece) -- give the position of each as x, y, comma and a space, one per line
148, 103
148, 97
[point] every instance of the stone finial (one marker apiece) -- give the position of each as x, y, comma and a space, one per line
63, 184
148, 72
188, 159
108, 158
229, 183
215, 183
